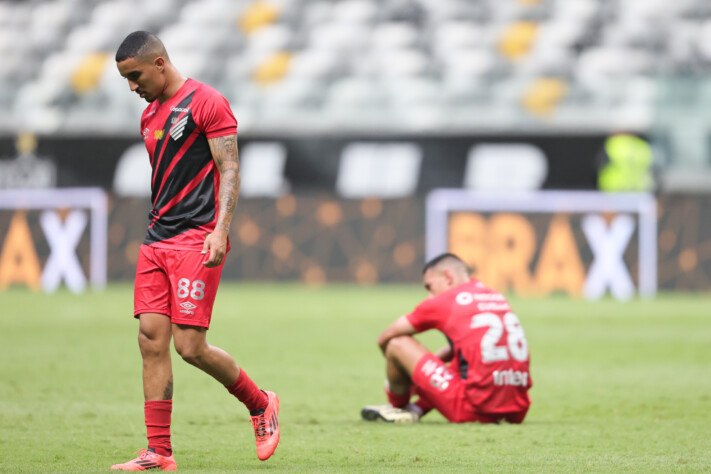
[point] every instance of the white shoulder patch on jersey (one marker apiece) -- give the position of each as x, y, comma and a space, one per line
464, 298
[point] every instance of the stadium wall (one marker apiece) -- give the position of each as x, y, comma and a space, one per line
313, 163
308, 231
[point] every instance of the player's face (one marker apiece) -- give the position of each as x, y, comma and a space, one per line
437, 281
144, 78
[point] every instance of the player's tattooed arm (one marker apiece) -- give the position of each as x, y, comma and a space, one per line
224, 152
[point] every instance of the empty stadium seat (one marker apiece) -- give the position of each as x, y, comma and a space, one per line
116, 16
369, 61
354, 92
314, 64
394, 35
356, 11
614, 62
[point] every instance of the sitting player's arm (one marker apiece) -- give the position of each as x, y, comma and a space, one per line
400, 327
224, 153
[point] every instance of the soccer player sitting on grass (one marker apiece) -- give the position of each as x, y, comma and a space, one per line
482, 375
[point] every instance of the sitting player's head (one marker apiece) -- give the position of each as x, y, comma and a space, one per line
142, 59
443, 273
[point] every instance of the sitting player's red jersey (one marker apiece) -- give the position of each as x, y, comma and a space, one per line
490, 350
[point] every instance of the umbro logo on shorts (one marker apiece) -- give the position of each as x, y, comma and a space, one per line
187, 307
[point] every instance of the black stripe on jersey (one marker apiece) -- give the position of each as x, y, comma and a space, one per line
195, 209
167, 148
191, 163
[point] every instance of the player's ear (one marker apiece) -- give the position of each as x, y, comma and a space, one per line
449, 277
159, 63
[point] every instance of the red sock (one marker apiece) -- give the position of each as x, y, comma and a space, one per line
248, 393
396, 400
422, 402
158, 425
424, 406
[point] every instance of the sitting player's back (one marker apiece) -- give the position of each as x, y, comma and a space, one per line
482, 375
493, 348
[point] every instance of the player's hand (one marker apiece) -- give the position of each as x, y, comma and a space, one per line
215, 247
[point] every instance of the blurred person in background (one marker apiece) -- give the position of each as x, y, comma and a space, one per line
625, 164
191, 137
481, 375
27, 170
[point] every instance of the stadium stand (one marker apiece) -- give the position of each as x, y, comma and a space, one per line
366, 65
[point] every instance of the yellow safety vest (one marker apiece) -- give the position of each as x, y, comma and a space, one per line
629, 168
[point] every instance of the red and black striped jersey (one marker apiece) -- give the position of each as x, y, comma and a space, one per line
185, 180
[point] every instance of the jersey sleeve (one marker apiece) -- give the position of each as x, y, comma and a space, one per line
214, 116
426, 315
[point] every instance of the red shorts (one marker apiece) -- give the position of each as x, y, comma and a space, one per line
175, 283
444, 390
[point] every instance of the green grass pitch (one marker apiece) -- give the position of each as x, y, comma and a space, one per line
617, 386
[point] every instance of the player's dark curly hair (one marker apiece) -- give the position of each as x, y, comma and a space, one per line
136, 44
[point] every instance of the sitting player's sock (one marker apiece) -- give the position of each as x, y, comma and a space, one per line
248, 393
415, 409
421, 406
157, 414
395, 399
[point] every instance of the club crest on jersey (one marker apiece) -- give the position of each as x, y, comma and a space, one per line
464, 298
158, 134
176, 131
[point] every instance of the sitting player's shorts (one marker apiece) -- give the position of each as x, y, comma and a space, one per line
177, 284
444, 389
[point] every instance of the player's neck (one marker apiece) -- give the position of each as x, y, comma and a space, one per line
173, 84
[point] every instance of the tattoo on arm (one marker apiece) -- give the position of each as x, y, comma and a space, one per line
168, 391
224, 152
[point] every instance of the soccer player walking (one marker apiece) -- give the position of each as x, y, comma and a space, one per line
191, 137
482, 375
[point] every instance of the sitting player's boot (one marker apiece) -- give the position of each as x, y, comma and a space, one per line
148, 459
266, 427
389, 414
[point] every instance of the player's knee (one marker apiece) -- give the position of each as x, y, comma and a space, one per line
151, 346
396, 346
191, 353
192, 358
